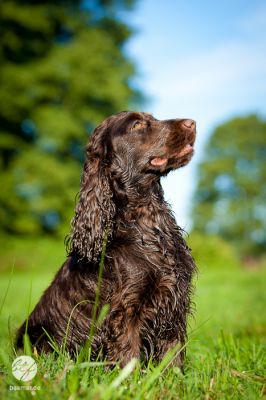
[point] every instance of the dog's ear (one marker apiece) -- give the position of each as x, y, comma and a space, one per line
95, 209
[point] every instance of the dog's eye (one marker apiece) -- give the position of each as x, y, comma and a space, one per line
138, 125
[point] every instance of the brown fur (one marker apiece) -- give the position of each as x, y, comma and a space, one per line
147, 268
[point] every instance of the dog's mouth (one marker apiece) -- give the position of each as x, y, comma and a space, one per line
158, 161
185, 151
181, 155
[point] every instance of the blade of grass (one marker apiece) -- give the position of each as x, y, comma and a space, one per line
68, 322
28, 308
154, 375
108, 393
7, 288
87, 347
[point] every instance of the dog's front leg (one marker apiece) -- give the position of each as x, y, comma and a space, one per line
123, 336
164, 345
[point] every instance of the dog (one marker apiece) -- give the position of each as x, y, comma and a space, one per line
122, 218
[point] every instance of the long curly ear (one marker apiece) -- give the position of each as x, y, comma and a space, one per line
95, 209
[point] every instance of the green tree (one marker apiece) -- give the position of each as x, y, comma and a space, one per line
63, 70
230, 198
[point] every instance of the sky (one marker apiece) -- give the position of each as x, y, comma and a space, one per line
204, 60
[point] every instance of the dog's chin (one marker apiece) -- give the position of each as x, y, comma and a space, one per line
176, 160
180, 161
174, 164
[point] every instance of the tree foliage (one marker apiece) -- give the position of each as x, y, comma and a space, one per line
230, 198
63, 70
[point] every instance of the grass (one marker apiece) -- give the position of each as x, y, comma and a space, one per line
225, 354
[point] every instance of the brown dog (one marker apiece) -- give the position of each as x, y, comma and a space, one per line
147, 267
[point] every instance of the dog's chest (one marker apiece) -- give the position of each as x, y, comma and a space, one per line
149, 259
146, 265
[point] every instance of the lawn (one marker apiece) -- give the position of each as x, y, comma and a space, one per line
225, 354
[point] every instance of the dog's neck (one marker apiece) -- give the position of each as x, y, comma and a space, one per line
146, 210
148, 222
140, 205
137, 195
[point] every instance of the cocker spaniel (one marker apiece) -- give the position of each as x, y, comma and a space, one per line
122, 217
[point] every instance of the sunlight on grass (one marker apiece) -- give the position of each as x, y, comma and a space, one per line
225, 354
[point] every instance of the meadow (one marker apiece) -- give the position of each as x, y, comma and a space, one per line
225, 348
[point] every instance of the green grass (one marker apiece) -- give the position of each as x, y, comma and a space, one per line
225, 354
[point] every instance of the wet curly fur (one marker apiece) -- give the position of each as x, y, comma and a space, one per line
148, 268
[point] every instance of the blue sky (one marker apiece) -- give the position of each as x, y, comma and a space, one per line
200, 59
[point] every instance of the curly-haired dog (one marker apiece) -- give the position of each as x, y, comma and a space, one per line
148, 268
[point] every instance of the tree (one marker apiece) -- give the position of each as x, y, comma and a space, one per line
230, 198
63, 70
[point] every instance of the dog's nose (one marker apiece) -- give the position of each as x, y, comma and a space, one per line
189, 124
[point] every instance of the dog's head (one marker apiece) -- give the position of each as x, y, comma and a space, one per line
147, 144
125, 149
